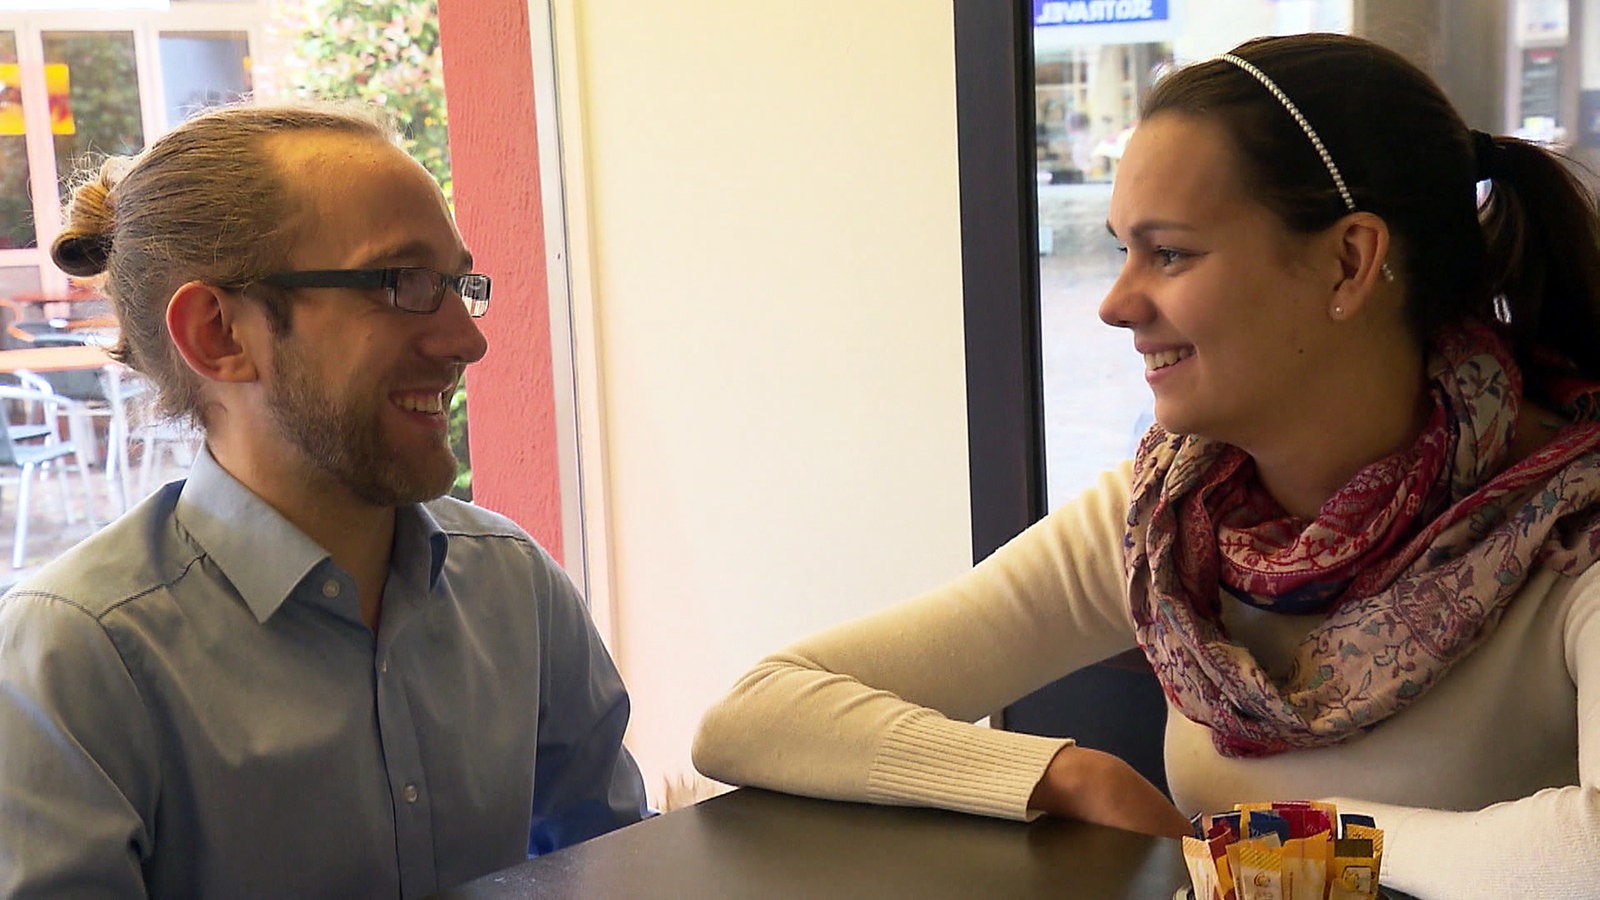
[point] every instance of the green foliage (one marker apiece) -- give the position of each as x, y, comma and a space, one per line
16, 209
384, 52
458, 442
104, 90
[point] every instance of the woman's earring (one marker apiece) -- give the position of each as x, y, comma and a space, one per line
1338, 312
1388, 273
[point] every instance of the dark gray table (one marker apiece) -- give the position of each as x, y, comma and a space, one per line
752, 843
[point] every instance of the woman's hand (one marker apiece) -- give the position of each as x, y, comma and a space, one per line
1098, 787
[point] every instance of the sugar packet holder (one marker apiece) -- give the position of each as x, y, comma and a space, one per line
1284, 850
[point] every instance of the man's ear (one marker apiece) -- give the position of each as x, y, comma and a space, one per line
1363, 251
205, 323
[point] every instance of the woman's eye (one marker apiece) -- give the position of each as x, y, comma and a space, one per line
1161, 257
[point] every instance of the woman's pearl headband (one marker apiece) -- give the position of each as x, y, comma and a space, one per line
1311, 133
1299, 117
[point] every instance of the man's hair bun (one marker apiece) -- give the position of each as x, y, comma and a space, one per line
84, 247
83, 255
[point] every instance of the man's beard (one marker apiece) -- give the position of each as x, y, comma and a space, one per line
346, 441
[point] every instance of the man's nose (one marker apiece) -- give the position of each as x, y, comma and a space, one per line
455, 334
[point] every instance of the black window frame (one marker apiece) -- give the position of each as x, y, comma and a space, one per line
1116, 706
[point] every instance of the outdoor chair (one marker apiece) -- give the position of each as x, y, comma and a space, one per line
160, 441
99, 394
30, 421
28, 457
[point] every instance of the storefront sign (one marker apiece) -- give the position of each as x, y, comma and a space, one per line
1542, 22
1097, 12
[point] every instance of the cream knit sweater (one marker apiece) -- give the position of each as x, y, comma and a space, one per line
1488, 786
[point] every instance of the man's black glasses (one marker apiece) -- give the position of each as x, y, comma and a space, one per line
411, 288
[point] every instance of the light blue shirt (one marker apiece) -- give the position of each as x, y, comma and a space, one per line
191, 705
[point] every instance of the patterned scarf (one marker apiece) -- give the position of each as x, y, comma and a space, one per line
1413, 561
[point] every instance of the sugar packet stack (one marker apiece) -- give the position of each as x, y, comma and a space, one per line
1288, 850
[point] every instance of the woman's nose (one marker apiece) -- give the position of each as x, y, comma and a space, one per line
1122, 307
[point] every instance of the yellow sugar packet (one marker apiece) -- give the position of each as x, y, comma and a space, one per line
1305, 867
1202, 870
1375, 835
1235, 854
1354, 875
1259, 870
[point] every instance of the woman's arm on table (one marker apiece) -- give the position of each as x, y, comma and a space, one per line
879, 710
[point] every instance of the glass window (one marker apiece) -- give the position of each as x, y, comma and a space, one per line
96, 111
91, 93
16, 209
202, 69
1096, 402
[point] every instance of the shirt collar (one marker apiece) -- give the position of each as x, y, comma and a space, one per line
417, 533
263, 555
266, 557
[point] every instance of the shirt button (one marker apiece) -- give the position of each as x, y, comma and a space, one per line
410, 793
330, 588
383, 666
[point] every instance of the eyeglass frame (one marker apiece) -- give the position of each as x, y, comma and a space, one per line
464, 286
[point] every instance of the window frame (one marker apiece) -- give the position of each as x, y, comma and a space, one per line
147, 27
1000, 269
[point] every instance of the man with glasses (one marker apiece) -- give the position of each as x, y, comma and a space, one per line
300, 672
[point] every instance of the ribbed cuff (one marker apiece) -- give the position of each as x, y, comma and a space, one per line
928, 760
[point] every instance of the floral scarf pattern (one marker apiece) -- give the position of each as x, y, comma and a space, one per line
1412, 562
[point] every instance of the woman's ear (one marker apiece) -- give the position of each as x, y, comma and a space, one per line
1363, 251
205, 323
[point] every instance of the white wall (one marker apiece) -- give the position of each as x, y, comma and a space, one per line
767, 273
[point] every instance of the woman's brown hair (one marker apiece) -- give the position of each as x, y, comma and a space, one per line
1528, 258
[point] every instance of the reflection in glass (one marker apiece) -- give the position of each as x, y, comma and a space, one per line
16, 209
202, 69
1085, 105
98, 113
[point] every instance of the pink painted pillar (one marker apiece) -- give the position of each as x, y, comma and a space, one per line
494, 156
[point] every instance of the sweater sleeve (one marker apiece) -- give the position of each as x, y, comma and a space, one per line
881, 709
1546, 845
